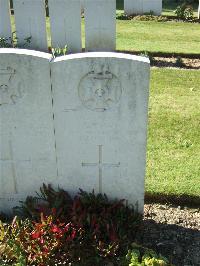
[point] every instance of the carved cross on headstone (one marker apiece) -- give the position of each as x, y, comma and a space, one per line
100, 164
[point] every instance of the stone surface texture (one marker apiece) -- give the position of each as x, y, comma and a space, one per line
100, 25
78, 121
141, 7
65, 24
65, 19
27, 144
100, 112
5, 25
30, 21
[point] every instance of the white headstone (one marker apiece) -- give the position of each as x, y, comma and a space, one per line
5, 22
65, 18
82, 6
100, 25
30, 20
142, 6
100, 112
154, 6
27, 143
133, 7
199, 10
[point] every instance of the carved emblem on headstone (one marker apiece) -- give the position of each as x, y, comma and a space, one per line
10, 91
100, 89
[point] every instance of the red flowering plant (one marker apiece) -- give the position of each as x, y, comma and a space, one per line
76, 230
109, 224
49, 202
38, 242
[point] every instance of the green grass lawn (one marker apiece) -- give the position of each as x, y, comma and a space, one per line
166, 37
173, 157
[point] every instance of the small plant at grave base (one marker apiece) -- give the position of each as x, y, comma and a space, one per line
59, 51
12, 42
184, 12
48, 201
122, 16
148, 55
28, 242
141, 256
85, 230
179, 62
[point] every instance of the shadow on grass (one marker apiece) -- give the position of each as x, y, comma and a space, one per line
181, 200
161, 54
178, 244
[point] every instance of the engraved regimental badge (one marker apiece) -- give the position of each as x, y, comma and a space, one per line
100, 90
10, 92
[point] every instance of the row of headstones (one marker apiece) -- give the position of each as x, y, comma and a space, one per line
65, 23
78, 121
138, 7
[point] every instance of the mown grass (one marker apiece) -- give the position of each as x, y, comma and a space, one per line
173, 154
164, 37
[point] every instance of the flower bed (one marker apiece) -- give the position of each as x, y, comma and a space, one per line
86, 230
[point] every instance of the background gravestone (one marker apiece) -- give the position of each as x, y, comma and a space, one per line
65, 19
30, 21
142, 6
27, 145
100, 111
5, 25
100, 25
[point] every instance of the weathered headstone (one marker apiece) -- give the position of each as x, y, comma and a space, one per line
5, 22
100, 25
27, 143
30, 20
82, 6
154, 6
65, 18
142, 6
100, 115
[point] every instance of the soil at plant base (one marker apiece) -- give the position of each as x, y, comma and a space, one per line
172, 231
188, 63
160, 18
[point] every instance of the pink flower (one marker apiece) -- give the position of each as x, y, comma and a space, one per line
35, 235
56, 229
